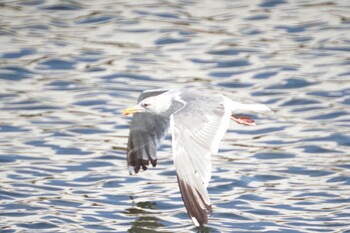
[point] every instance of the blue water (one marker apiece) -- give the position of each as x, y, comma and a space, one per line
69, 68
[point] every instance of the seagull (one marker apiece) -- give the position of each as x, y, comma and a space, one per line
198, 121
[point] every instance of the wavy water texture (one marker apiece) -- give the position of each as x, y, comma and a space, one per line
68, 68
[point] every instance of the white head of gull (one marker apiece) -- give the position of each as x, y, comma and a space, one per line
198, 122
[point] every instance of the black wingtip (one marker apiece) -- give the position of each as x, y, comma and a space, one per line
195, 205
135, 165
153, 162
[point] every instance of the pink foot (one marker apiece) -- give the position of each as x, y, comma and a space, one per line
244, 120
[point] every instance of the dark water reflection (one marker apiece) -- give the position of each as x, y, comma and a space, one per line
68, 68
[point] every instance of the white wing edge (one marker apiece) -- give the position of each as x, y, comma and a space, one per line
224, 125
155, 90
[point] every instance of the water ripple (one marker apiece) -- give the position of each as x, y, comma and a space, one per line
72, 67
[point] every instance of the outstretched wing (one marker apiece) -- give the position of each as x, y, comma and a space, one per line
197, 130
146, 132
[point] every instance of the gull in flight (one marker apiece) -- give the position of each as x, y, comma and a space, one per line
198, 122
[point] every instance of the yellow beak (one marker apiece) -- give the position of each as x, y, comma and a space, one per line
131, 110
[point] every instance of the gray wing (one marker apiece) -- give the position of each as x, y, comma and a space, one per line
197, 130
146, 132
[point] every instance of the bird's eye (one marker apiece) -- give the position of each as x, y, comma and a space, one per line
145, 105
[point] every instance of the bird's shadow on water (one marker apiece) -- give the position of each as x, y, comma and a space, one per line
205, 229
145, 221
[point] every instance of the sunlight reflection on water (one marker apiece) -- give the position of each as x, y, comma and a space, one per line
68, 68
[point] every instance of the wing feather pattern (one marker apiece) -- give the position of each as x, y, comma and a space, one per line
196, 133
147, 130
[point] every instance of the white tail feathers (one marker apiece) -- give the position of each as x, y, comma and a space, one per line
255, 108
237, 107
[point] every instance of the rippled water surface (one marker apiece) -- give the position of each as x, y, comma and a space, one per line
68, 68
